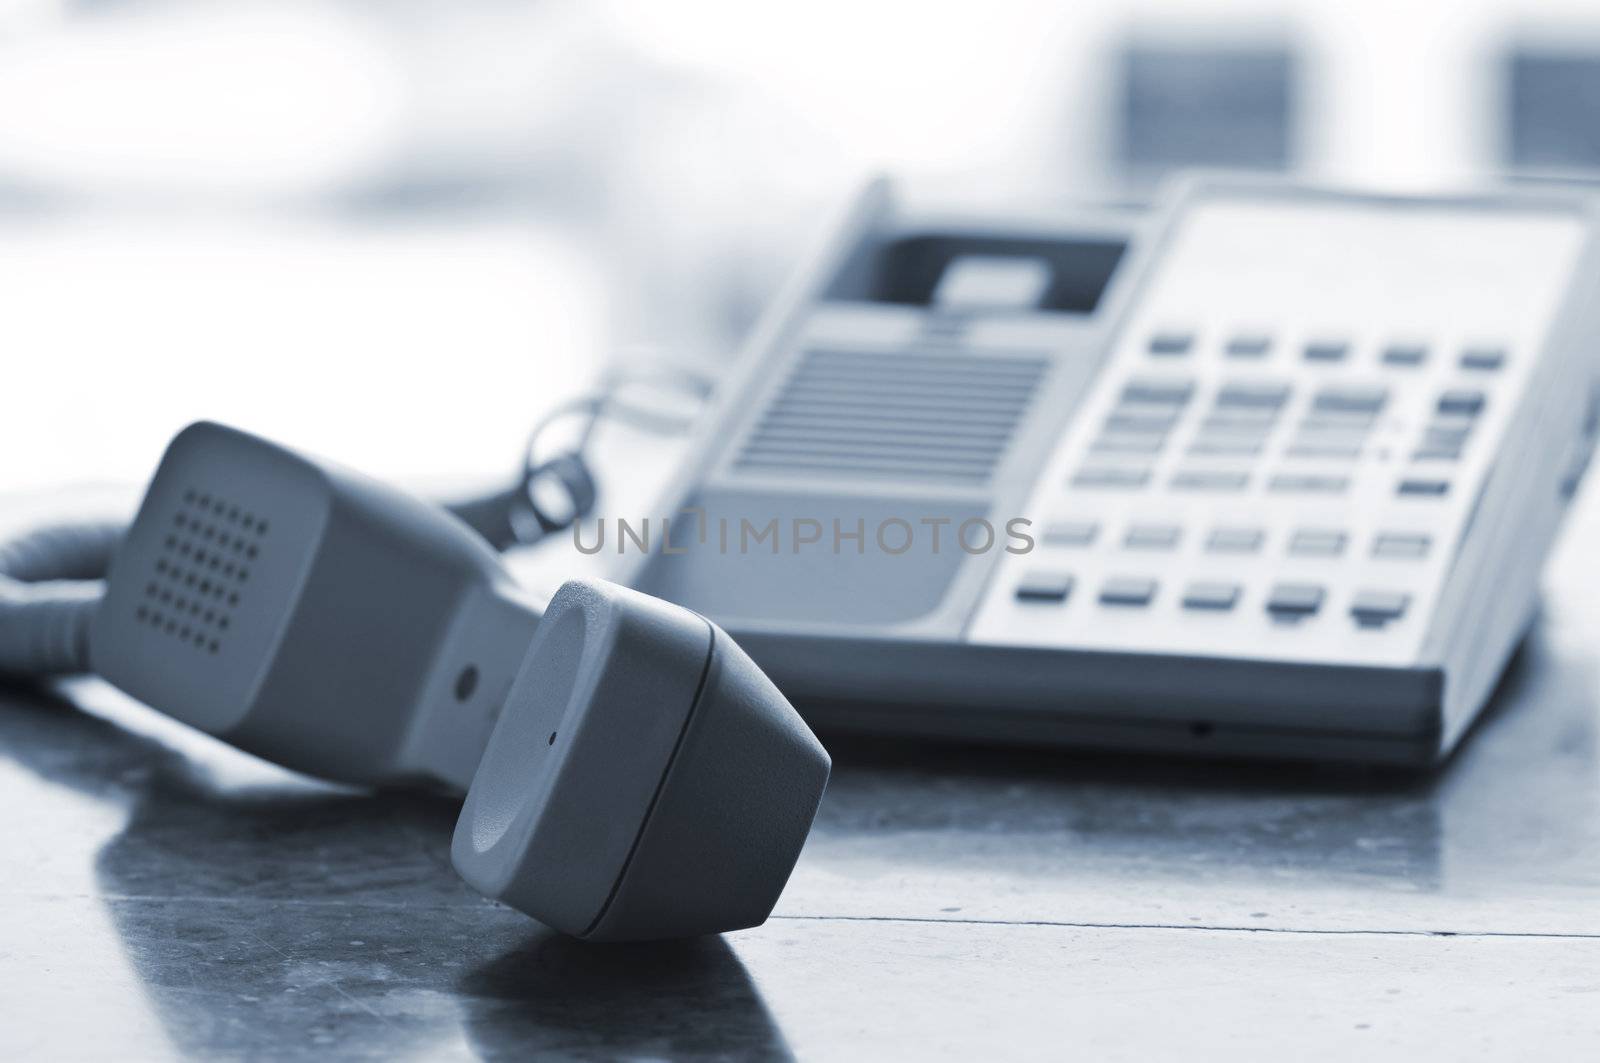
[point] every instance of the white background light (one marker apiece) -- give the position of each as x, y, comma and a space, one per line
239, 99
407, 352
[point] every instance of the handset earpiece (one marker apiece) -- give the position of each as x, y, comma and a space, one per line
642, 779
310, 615
646, 779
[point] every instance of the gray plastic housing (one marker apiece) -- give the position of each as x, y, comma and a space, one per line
646, 780
309, 615
880, 645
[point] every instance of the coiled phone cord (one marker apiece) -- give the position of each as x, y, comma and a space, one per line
556, 492
51, 582
52, 578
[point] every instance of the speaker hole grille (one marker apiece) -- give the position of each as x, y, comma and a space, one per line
900, 415
198, 577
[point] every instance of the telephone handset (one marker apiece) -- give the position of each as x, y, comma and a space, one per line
629, 773
1267, 470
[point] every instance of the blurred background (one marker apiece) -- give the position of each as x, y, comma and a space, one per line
396, 231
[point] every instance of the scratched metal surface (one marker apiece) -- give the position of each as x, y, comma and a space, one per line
164, 896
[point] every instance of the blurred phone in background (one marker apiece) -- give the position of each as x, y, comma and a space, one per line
400, 231
1551, 98
1225, 105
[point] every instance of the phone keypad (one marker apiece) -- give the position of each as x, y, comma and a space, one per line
1280, 452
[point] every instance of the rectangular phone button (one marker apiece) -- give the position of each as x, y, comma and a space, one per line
1158, 392
1298, 484
1152, 536
1127, 590
1209, 480
1127, 444
1157, 422
1211, 447
1235, 540
1417, 488
1122, 478
1402, 546
1295, 600
1323, 451
1483, 359
1317, 542
1255, 396
1376, 608
1462, 401
1407, 354
1249, 345
1043, 586
1211, 595
1171, 343
1350, 398
1070, 533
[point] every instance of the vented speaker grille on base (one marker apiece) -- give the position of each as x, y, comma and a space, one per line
200, 576
901, 415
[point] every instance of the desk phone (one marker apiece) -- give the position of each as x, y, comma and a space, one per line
1289, 460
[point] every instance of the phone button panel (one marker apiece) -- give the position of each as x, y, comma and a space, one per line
1348, 369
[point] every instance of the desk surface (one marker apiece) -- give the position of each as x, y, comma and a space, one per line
166, 896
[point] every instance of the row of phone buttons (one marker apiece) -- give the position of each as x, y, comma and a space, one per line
1176, 343
1303, 542
1164, 397
1233, 481
1286, 602
1243, 415
1227, 481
